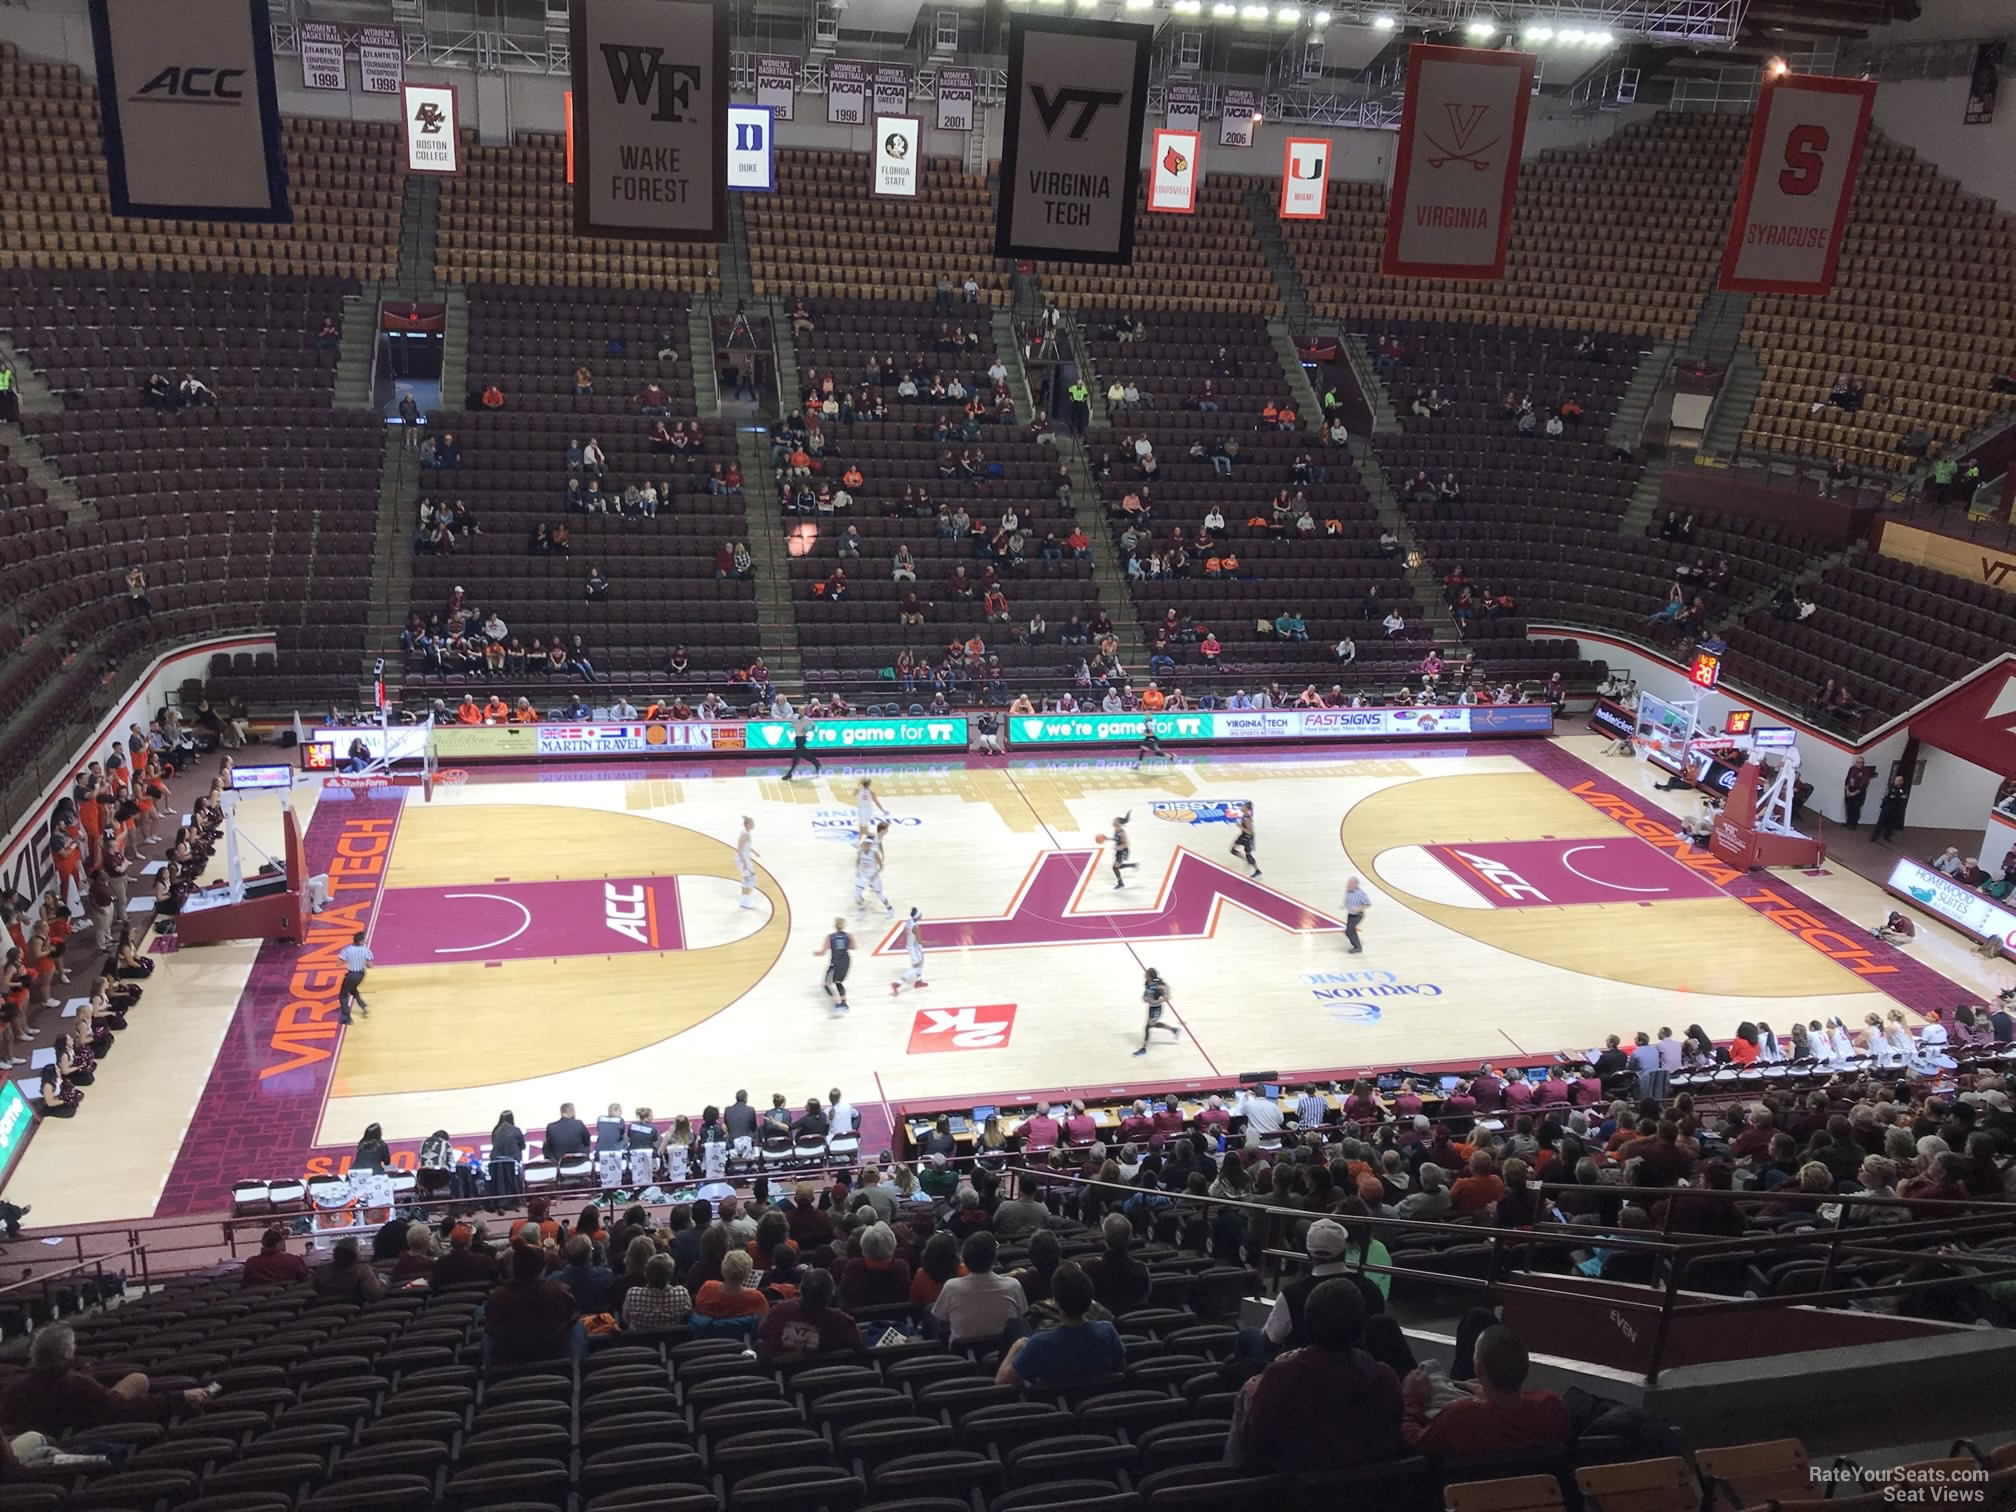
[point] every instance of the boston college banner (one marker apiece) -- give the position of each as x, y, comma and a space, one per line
1071, 139
1461, 134
651, 119
1798, 182
1172, 172
192, 129
1305, 178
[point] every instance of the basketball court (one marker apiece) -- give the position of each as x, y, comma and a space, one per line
571, 934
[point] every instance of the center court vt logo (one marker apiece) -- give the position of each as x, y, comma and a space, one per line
642, 72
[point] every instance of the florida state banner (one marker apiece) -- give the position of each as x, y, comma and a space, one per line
1172, 172
1798, 185
1305, 178
1461, 135
1071, 138
190, 110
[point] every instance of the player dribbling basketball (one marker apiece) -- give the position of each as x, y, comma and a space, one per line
1155, 998
1121, 865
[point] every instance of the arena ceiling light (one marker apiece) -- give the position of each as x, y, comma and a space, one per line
1287, 15
1481, 31
1383, 23
1320, 18
1540, 34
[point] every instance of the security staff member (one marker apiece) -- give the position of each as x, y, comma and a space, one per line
9, 404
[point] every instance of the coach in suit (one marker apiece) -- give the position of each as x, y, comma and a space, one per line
566, 1135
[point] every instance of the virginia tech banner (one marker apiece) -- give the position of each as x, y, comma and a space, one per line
1172, 172
651, 119
1071, 139
1798, 183
1461, 134
190, 111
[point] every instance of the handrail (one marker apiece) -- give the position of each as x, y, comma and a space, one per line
42, 1281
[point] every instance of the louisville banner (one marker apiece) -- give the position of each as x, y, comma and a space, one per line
1172, 172
956, 88
190, 110
651, 91
1237, 110
1798, 183
752, 149
1183, 107
891, 88
899, 156
1071, 138
322, 65
1461, 134
1305, 178
776, 84
433, 121
381, 60
846, 93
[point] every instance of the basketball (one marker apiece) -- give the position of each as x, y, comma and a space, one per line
1101, 839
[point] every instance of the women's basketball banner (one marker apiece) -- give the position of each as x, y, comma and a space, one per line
1305, 178
1183, 107
322, 63
1798, 183
1461, 135
956, 88
381, 60
1240, 109
190, 110
892, 88
1071, 138
1172, 172
776, 84
846, 93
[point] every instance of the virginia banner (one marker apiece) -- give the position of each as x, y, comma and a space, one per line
1071, 139
190, 110
1798, 183
651, 92
1461, 134
1172, 172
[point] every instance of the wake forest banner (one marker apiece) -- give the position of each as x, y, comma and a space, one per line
1071, 139
651, 119
190, 111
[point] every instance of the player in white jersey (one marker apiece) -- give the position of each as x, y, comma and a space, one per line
868, 877
913, 942
866, 807
745, 860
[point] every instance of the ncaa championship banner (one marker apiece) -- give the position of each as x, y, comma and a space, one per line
1305, 178
1172, 172
956, 89
1461, 134
190, 111
650, 119
1071, 139
1238, 109
776, 84
1798, 183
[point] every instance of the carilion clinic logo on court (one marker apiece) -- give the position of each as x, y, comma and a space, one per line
1356, 986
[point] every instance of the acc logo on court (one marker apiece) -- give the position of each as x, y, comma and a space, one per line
938, 1029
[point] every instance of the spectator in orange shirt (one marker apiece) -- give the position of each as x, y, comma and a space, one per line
852, 478
1477, 1191
524, 713
493, 397
468, 712
1152, 699
496, 711
732, 1296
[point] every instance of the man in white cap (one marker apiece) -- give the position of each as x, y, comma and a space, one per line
1326, 1242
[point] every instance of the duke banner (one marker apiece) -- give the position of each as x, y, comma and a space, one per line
1305, 178
892, 88
1461, 134
1172, 172
776, 84
1237, 111
651, 92
322, 64
1071, 139
381, 60
752, 148
956, 88
846, 93
1183, 107
190, 110
1798, 182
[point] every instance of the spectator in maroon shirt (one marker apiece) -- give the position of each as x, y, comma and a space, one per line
1168, 1123
1080, 1128
1661, 1161
528, 1317
54, 1397
1213, 1119
1756, 1136
809, 1224
878, 1277
463, 1262
1120, 1282
1137, 1126
1489, 1090
1500, 1419
1040, 1131
1554, 1089
273, 1265
1329, 1406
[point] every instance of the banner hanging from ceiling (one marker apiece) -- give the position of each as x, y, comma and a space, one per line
381, 60
190, 110
1798, 184
1305, 178
776, 84
433, 122
1172, 172
1183, 107
1071, 139
899, 156
846, 93
1239, 109
1984, 84
752, 149
1462, 131
322, 62
956, 89
651, 88
892, 88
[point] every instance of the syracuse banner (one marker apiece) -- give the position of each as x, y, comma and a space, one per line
651, 119
1798, 182
1305, 178
190, 111
1071, 139
1172, 172
1461, 135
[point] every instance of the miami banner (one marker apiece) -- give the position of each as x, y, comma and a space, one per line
1172, 172
190, 111
1461, 134
1305, 178
651, 119
1071, 139
1798, 184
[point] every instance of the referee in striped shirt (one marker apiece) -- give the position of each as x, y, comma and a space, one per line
356, 957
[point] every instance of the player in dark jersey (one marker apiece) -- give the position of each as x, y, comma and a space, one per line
1155, 997
1121, 865
839, 946
1243, 846
1150, 745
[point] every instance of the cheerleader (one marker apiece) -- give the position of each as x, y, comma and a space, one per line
913, 944
1244, 844
838, 948
868, 877
1121, 865
745, 861
1155, 997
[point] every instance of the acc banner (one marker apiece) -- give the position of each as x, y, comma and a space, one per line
846, 93
651, 119
1183, 107
752, 147
1237, 109
432, 145
1798, 182
322, 65
892, 88
956, 88
1172, 172
1071, 139
1461, 134
899, 160
381, 60
190, 110
1305, 178
776, 84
